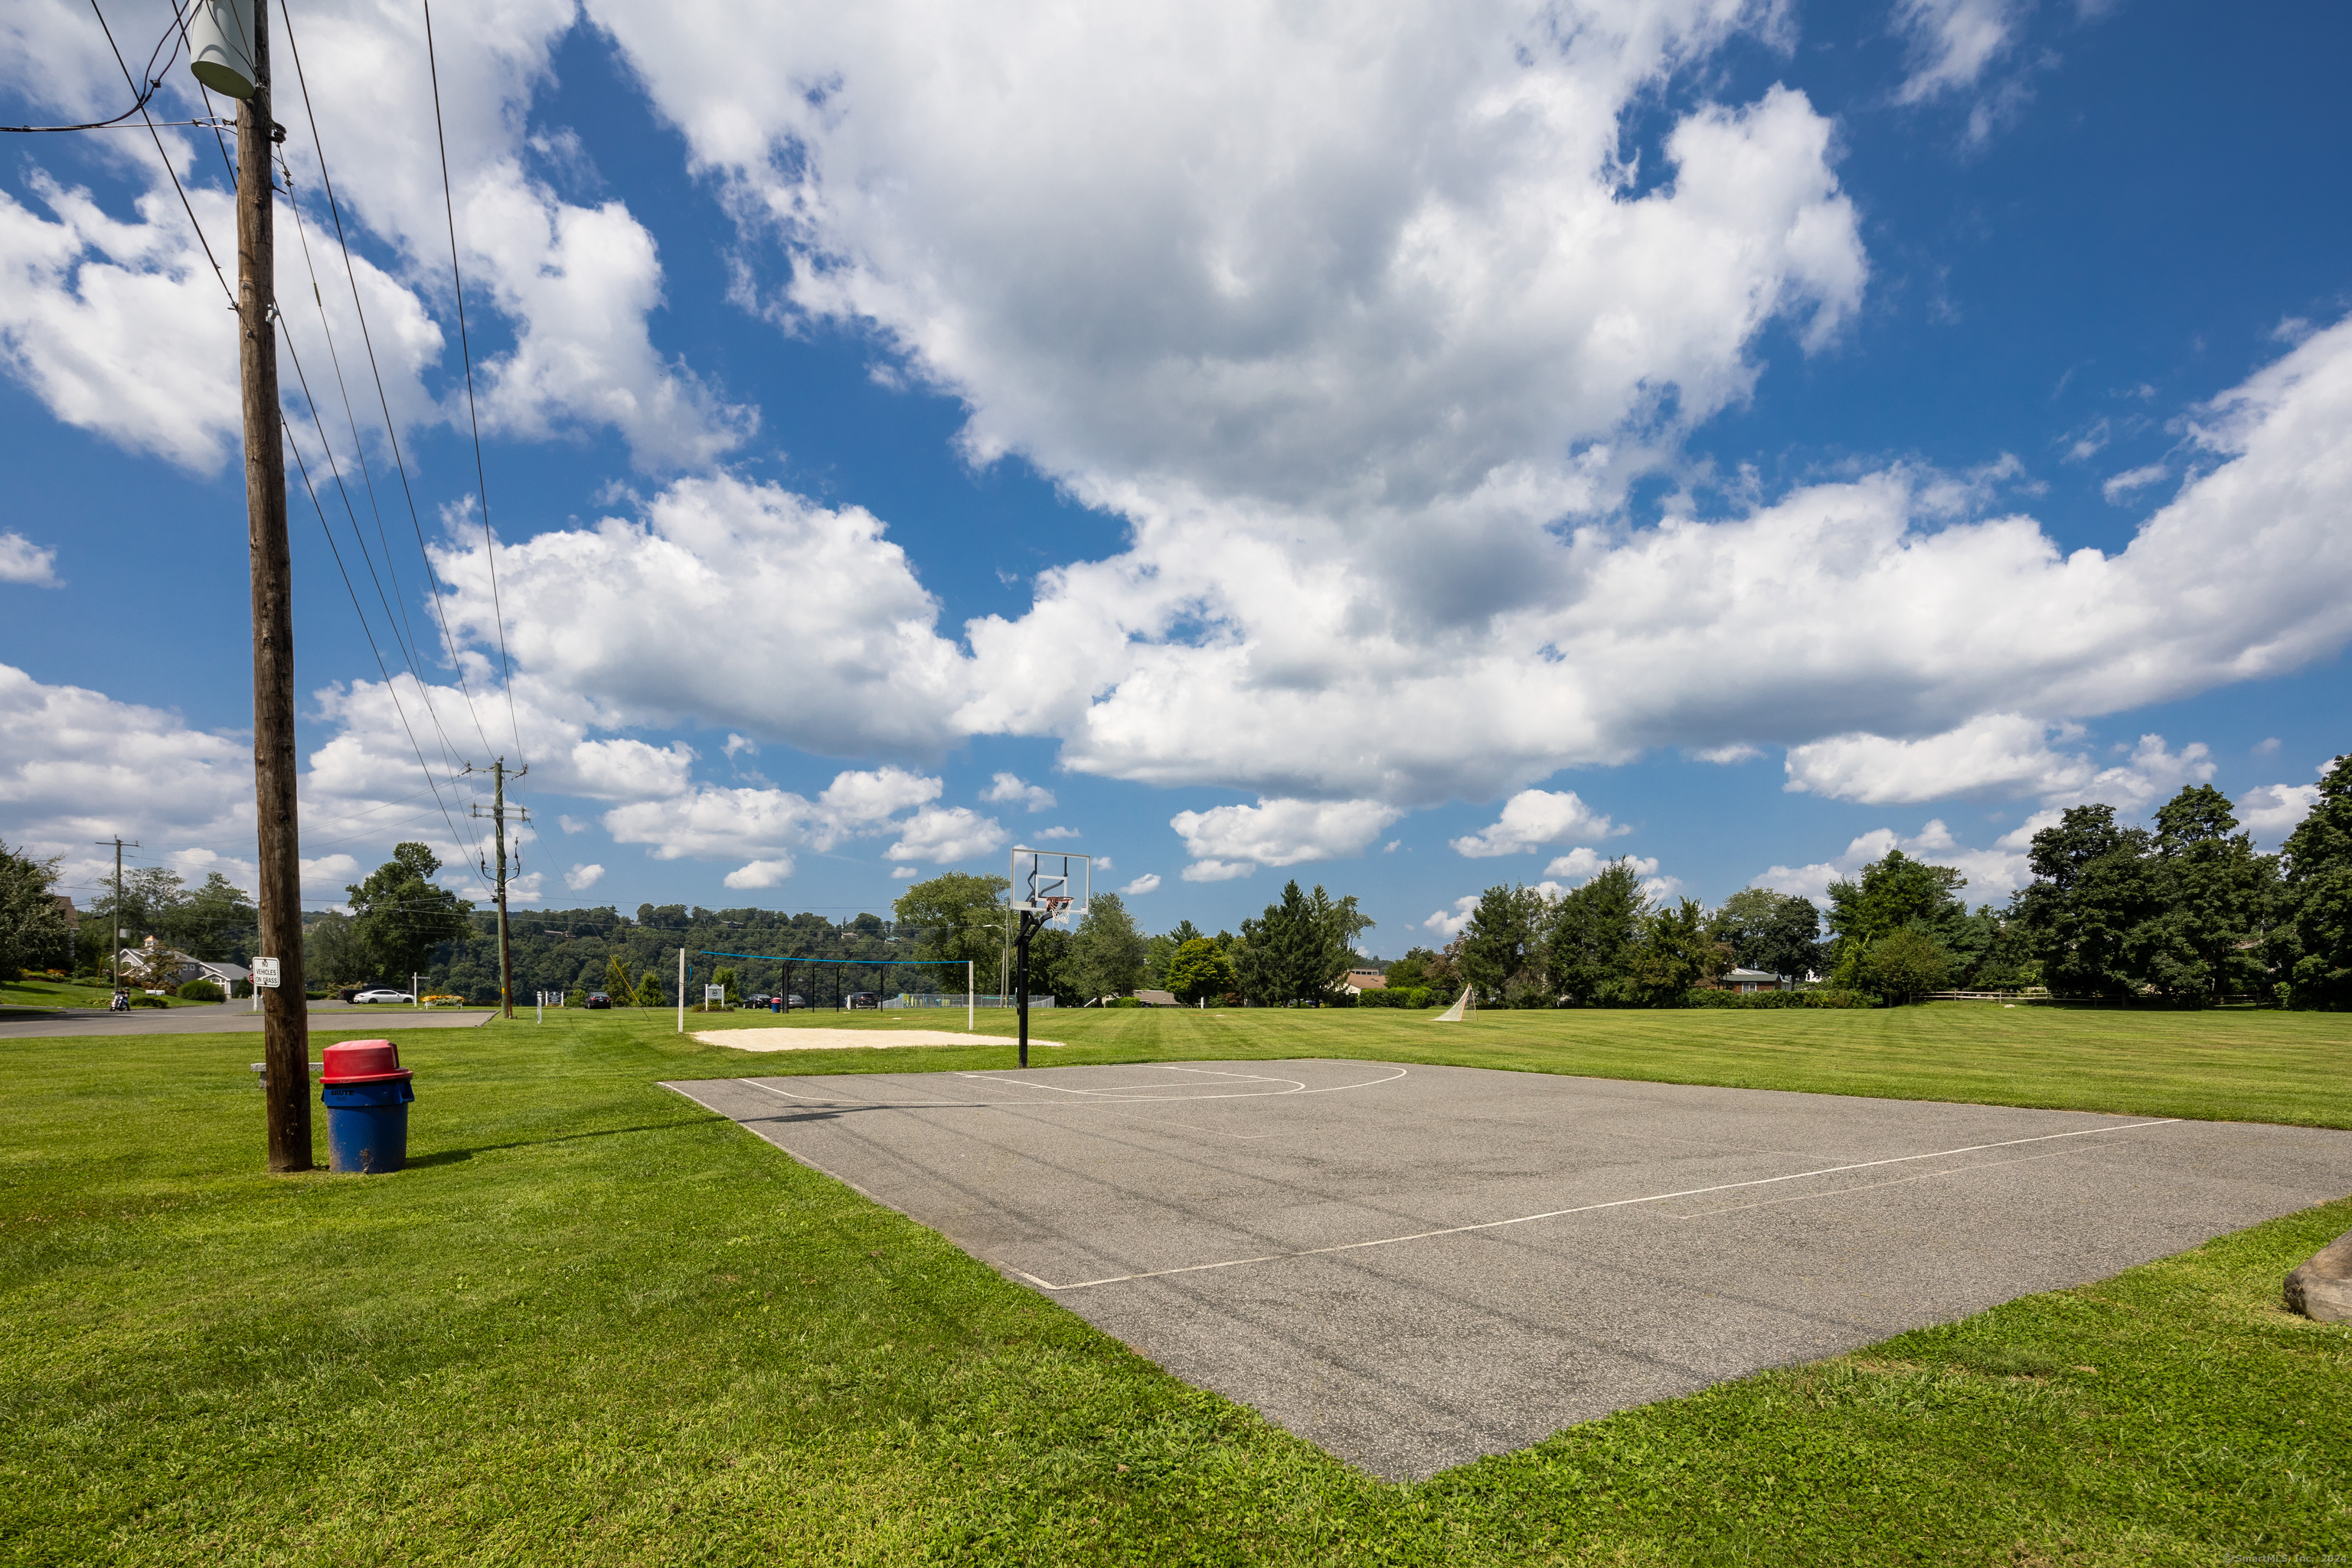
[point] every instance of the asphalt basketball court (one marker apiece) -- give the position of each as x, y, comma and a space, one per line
1413, 1266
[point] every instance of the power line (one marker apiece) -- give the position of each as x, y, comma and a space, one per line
288, 431
395, 622
481, 482
166, 157
334, 209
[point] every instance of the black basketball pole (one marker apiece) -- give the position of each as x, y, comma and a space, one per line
1021, 974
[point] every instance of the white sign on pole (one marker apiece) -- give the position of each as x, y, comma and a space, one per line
265, 973
714, 993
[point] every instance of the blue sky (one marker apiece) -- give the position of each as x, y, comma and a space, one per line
1407, 453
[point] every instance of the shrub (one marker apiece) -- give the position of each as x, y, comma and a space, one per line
143, 1000
1125, 1002
200, 991
1820, 998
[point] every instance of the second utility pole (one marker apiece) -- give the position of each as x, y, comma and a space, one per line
498, 823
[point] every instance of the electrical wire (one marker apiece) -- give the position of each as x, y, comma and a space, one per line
286, 430
166, 157
143, 95
395, 622
481, 481
334, 209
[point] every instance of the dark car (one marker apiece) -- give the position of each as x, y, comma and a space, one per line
758, 1000
796, 1000
864, 999
597, 999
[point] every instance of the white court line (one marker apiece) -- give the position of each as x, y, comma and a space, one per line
1585, 1208
1869, 1186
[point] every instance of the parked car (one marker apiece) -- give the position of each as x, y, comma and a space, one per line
384, 993
759, 999
864, 999
597, 999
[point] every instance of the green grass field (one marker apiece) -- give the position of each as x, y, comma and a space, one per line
593, 1325
33, 993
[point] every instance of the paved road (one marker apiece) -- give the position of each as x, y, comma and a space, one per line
230, 1019
1415, 1267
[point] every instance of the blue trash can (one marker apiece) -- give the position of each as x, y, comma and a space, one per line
367, 1095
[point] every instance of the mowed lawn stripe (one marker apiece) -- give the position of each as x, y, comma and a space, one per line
596, 1325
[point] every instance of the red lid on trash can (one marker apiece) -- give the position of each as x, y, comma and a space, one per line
362, 1061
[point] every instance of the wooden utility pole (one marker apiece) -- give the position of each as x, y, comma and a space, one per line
117, 924
284, 1017
498, 815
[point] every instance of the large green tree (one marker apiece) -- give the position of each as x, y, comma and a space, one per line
33, 931
399, 915
1594, 930
1106, 951
2093, 889
1676, 956
1199, 969
955, 917
2312, 945
1502, 945
1299, 947
1904, 963
1889, 894
2214, 896
1779, 933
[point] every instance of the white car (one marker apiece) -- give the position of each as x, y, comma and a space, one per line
385, 996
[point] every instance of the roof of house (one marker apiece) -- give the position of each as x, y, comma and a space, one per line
1749, 974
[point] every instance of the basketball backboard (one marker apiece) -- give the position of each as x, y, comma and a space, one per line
1053, 882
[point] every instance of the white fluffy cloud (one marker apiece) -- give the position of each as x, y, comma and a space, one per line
118, 327
582, 877
1231, 840
1008, 789
2000, 754
1446, 924
22, 561
2270, 811
944, 834
1581, 864
710, 823
1341, 220
1531, 818
76, 766
1147, 883
623, 615
1992, 874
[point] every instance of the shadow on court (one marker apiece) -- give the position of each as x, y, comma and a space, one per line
1415, 1266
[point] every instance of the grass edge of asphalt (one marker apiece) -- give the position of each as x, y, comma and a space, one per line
929, 1410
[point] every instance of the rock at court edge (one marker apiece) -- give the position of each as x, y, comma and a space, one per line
2322, 1288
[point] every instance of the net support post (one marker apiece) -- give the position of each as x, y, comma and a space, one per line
970, 1000
681, 991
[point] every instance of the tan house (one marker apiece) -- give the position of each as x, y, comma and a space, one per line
1749, 980
1356, 982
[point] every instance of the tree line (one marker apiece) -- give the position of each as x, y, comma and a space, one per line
2185, 912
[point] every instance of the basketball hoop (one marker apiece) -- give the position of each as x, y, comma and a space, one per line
1051, 883
1046, 885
